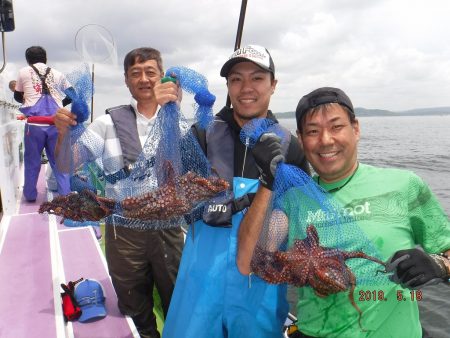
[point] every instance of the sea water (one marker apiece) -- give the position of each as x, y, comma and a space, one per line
420, 144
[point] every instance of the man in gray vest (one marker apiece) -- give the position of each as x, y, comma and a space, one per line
136, 259
212, 298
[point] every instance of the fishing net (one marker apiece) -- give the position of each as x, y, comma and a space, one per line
170, 180
305, 221
81, 81
80, 94
87, 176
95, 44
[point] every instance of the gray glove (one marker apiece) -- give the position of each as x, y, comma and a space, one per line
414, 268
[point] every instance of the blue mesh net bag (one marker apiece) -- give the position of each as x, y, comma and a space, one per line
169, 181
80, 94
308, 239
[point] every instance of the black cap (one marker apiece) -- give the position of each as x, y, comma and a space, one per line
251, 53
322, 96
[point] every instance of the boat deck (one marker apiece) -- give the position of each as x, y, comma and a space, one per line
37, 254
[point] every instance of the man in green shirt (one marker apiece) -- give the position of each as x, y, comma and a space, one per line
394, 208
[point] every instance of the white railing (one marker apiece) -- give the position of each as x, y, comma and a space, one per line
11, 136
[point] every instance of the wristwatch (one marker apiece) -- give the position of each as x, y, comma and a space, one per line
447, 266
444, 262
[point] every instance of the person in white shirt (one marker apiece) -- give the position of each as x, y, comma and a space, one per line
41, 91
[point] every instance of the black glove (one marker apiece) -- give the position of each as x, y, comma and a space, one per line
414, 268
267, 154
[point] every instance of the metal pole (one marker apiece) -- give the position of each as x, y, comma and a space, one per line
240, 28
240, 24
92, 94
4, 53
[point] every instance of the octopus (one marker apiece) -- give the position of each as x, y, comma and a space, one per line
83, 206
307, 263
177, 197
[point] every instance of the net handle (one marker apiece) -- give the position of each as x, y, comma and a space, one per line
240, 29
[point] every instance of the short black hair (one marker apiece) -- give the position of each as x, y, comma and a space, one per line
35, 54
323, 107
140, 55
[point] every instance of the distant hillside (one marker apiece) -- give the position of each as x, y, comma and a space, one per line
380, 112
421, 111
374, 112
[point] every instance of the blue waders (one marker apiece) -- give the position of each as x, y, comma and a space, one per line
36, 139
212, 298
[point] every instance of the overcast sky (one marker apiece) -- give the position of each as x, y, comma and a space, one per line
386, 54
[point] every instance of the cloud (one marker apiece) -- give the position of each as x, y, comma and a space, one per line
385, 54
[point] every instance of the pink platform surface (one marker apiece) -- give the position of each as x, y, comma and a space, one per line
36, 256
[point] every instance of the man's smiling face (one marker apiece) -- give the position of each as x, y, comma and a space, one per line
250, 88
330, 140
141, 78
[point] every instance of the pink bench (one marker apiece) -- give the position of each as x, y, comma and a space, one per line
37, 254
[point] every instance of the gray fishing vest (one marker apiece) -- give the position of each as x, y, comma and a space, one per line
219, 148
124, 119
